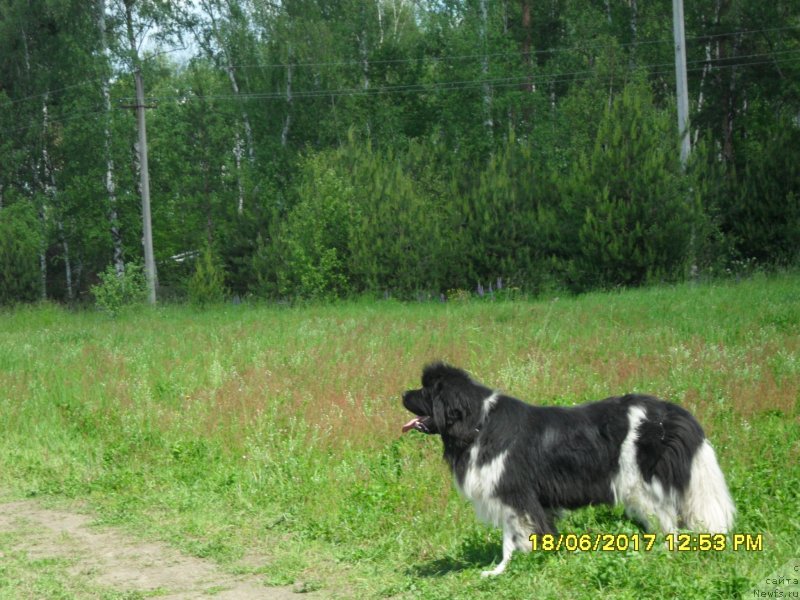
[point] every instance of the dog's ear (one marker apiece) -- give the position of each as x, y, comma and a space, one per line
452, 409
439, 406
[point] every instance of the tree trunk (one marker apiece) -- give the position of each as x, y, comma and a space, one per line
363, 49
729, 106
67, 261
488, 123
110, 180
380, 22
238, 150
526, 43
288, 119
634, 30
701, 88
248, 130
43, 257
49, 179
37, 185
230, 71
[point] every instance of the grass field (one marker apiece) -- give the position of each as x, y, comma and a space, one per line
268, 438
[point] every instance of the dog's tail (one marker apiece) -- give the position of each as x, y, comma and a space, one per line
707, 504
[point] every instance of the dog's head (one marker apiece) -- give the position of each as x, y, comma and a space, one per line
448, 403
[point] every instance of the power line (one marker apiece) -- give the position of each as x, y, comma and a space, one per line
498, 83
85, 82
655, 69
423, 86
435, 59
515, 54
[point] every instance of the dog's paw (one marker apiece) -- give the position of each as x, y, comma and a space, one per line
494, 572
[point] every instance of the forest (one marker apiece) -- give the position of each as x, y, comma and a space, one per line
412, 149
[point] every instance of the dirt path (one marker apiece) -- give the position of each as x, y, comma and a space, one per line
113, 560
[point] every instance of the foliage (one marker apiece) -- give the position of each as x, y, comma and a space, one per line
761, 206
207, 284
509, 218
119, 290
20, 245
629, 201
364, 221
456, 142
315, 241
405, 239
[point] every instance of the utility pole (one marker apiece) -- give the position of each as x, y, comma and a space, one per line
149, 261
680, 79
144, 175
682, 93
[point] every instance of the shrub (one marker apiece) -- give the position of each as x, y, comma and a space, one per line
405, 234
365, 220
629, 204
509, 218
207, 284
114, 292
314, 243
20, 246
761, 203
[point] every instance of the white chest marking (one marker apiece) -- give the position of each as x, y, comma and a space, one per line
480, 483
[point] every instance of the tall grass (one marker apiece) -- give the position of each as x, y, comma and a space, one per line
268, 438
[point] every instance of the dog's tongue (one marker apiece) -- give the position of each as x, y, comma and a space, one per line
411, 424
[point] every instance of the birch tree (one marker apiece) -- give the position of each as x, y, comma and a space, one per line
217, 26
110, 174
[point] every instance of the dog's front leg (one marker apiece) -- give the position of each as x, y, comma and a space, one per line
518, 524
508, 548
516, 530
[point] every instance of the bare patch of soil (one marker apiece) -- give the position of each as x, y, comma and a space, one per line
114, 560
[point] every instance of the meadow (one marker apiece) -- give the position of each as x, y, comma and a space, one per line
267, 438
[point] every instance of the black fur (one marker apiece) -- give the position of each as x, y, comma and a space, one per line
557, 457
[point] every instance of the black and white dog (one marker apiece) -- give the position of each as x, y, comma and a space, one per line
520, 464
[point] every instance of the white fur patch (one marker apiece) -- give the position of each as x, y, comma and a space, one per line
480, 483
707, 504
479, 486
648, 503
628, 479
488, 405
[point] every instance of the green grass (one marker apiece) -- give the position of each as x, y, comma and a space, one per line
268, 438
25, 576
